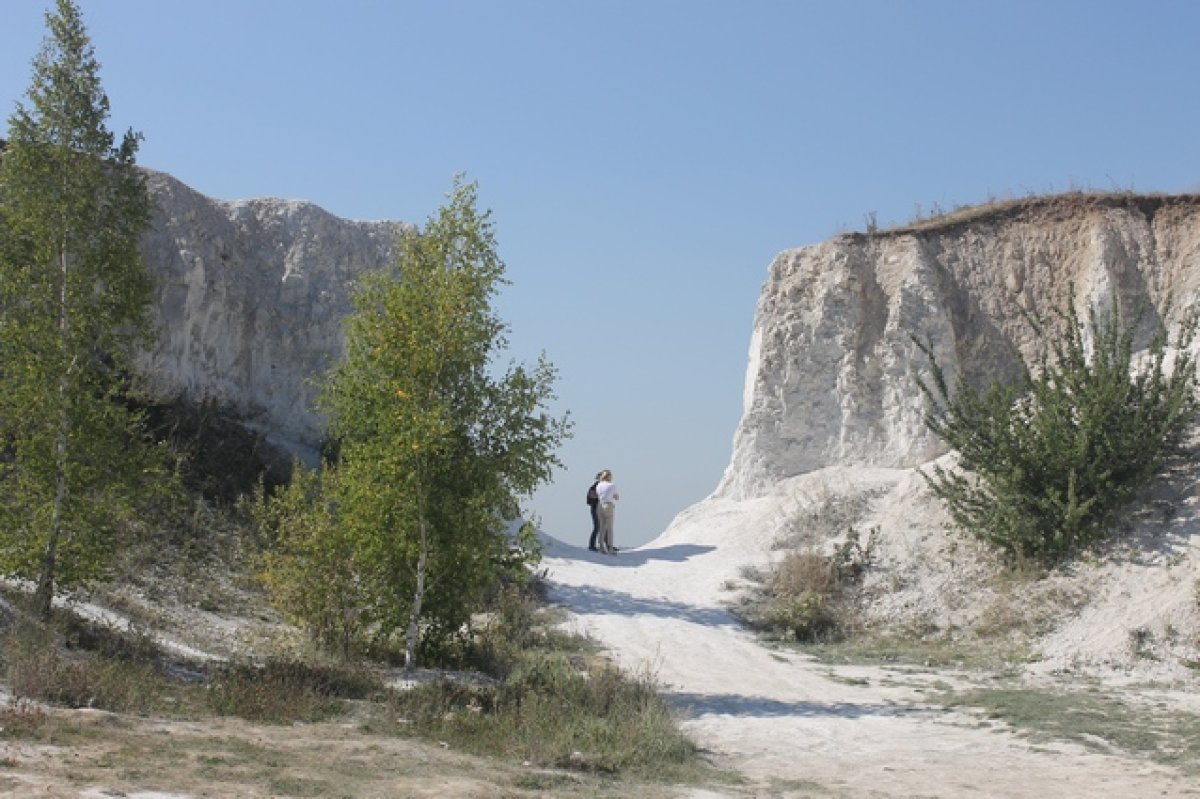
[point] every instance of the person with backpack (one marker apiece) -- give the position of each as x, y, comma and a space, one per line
593, 499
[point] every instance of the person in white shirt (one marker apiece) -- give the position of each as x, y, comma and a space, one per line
606, 490
593, 502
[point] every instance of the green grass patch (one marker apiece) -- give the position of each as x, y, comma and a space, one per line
1097, 721
803, 787
915, 651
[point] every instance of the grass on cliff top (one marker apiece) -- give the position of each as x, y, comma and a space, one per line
1041, 205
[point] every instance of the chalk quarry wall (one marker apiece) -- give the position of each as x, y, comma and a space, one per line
252, 294
250, 301
832, 375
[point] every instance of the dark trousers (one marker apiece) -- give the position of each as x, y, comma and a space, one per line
595, 525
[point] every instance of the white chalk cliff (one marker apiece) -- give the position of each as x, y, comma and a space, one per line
833, 367
251, 296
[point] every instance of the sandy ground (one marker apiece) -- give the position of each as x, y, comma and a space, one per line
793, 726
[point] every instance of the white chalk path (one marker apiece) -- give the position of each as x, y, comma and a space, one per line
781, 719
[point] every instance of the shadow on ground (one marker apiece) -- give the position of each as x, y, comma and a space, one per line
761, 707
591, 599
628, 558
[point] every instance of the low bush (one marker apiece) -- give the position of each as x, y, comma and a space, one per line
38, 667
516, 623
805, 594
77, 663
1048, 461
531, 692
553, 710
22, 718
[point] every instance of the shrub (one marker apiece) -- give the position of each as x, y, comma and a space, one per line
102, 675
306, 562
21, 718
805, 593
553, 710
802, 587
1049, 459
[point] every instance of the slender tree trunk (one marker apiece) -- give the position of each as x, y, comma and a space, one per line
414, 620
43, 597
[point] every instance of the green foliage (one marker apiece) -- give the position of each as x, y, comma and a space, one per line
1050, 459
407, 530
309, 563
74, 296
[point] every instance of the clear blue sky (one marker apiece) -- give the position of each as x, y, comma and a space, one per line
644, 160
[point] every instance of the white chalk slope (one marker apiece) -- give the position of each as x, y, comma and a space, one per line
776, 715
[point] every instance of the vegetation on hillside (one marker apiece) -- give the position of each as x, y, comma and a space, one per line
532, 693
405, 530
939, 221
809, 593
1049, 461
402, 536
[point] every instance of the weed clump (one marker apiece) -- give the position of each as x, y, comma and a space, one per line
539, 695
284, 690
79, 666
806, 595
553, 710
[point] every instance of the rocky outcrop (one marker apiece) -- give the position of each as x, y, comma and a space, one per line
251, 296
833, 369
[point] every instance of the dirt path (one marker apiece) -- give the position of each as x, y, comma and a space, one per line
794, 727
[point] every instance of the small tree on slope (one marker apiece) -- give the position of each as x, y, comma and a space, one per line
74, 296
1048, 460
407, 528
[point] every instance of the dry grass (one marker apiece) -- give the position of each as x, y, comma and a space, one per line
73, 751
1033, 207
554, 716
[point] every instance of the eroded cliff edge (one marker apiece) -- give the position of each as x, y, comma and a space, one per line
250, 300
832, 375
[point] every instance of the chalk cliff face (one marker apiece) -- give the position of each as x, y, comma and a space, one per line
250, 301
832, 376
252, 294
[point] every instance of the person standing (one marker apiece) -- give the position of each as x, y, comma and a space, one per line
593, 499
606, 492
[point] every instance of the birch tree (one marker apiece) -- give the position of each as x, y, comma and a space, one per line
436, 444
74, 296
